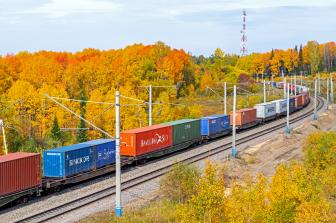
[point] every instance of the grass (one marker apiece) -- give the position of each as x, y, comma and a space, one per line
155, 212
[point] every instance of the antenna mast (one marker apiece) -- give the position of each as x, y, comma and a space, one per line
243, 40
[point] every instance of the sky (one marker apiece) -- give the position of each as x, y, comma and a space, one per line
198, 27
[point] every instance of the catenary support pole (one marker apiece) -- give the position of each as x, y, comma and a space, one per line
2, 125
327, 94
301, 81
295, 85
224, 101
315, 101
264, 91
233, 152
331, 90
287, 130
118, 208
319, 84
150, 105
284, 87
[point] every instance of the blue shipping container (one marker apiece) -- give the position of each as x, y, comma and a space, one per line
292, 107
215, 124
68, 160
104, 150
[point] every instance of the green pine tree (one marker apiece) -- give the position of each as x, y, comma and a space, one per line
55, 130
82, 132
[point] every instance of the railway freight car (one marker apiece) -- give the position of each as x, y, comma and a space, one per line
299, 101
266, 111
20, 176
215, 126
280, 107
245, 118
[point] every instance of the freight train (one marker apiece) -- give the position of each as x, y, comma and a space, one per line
22, 175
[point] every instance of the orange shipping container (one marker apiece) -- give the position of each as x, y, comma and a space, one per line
244, 117
19, 171
137, 142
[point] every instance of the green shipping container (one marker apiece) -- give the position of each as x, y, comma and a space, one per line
185, 130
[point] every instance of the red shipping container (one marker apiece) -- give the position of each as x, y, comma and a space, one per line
305, 98
299, 100
244, 116
136, 142
19, 171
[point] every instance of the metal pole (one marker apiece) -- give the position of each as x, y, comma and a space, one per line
225, 98
118, 208
291, 85
295, 85
287, 130
264, 91
327, 93
315, 100
301, 77
4, 136
331, 90
150, 105
234, 124
319, 84
284, 87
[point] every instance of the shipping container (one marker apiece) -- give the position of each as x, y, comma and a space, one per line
19, 171
216, 124
299, 101
140, 141
281, 106
279, 84
244, 118
104, 151
68, 160
185, 130
266, 111
306, 98
292, 107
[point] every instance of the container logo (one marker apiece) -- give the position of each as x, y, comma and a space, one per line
271, 109
157, 139
105, 155
79, 160
188, 126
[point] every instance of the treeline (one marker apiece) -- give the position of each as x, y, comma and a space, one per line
298, 192
308, 59
34, 122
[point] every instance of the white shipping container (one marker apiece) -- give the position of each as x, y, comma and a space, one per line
265, 110
281, 106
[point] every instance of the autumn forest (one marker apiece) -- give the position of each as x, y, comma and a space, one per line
34, 122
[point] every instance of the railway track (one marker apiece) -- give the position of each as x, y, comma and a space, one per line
73, 205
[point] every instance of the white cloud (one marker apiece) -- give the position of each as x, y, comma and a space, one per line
61, 8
